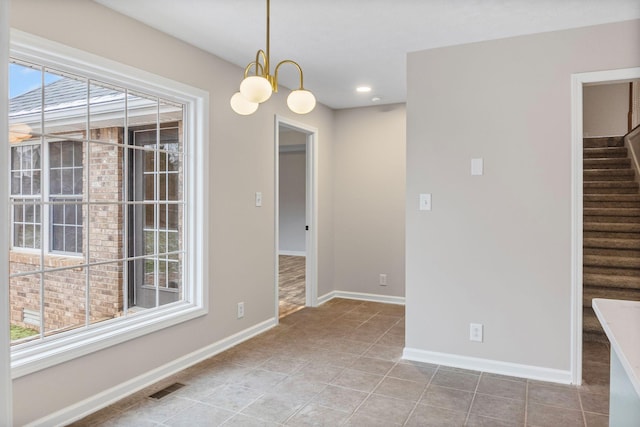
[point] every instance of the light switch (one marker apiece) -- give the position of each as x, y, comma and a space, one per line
258, 199
477, 166
425, 202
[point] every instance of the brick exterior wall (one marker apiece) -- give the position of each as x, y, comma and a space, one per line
65, 295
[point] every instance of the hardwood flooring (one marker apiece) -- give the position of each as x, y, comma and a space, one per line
291, 284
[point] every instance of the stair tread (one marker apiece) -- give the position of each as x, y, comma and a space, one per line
612, 197
608, 242
612, 211
611, 261
606, 280
590, 322
605, 151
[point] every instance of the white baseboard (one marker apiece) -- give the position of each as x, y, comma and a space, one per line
360, 296
488, 365
292, 253
94, 403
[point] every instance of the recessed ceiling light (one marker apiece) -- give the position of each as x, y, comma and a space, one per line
363, 89
376, 99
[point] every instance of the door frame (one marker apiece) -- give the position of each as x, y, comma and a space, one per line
311, 209
578, 81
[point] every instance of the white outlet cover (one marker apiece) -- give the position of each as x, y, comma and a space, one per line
477, 166
475, 332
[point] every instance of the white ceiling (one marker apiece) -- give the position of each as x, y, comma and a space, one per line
341, 44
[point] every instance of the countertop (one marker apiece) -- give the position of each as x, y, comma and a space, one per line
621, 322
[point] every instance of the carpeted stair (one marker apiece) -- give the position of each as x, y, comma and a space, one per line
611, 240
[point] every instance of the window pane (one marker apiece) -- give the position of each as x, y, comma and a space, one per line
170, 112
25, 172
65, 176
105, 291
24, 300
57, 238
65, 97
106, 112
55, 181
26, 224
66, 220
142, 109
106, 177
64, 300
106, 232
25, 101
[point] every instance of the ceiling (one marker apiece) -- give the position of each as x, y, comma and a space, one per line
342, 44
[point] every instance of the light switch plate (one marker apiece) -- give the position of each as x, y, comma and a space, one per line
477, 166
425, 202
258, 199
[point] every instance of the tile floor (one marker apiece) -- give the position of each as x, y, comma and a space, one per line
340, 364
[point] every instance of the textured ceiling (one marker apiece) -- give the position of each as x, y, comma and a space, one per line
341, 44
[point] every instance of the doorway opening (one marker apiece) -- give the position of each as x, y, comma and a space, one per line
295, 219
603, 180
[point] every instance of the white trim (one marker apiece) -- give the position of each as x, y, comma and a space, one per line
33, 356
579, 80
101, 400
488, 365
292, 253
361, 296
311, 208
6, 402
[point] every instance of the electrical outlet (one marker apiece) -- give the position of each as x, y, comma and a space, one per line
475, 332
240, 310
383, 280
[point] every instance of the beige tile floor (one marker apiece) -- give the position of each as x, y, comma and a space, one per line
340, 364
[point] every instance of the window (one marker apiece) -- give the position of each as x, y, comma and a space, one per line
103, 236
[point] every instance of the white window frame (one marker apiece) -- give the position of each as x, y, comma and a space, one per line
34, 356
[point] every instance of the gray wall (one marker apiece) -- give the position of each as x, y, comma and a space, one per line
605, 109
292, 191
496, 249
241, 163
369, 199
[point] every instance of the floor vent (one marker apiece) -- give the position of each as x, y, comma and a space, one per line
166, 391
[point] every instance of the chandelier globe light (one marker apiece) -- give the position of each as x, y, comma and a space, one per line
257, 88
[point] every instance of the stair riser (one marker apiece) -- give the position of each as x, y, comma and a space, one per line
606, 141
611, 198
610, 219
608, 227
605, 153
618, 190
623, 212
607, 178
605, 164
611, 205
610, 252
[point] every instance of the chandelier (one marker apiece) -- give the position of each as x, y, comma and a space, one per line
257, 88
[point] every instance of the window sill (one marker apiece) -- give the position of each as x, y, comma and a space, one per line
35, 356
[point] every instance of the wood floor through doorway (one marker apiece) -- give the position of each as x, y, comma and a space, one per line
291, 284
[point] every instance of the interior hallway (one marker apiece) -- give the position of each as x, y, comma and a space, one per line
339, 364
